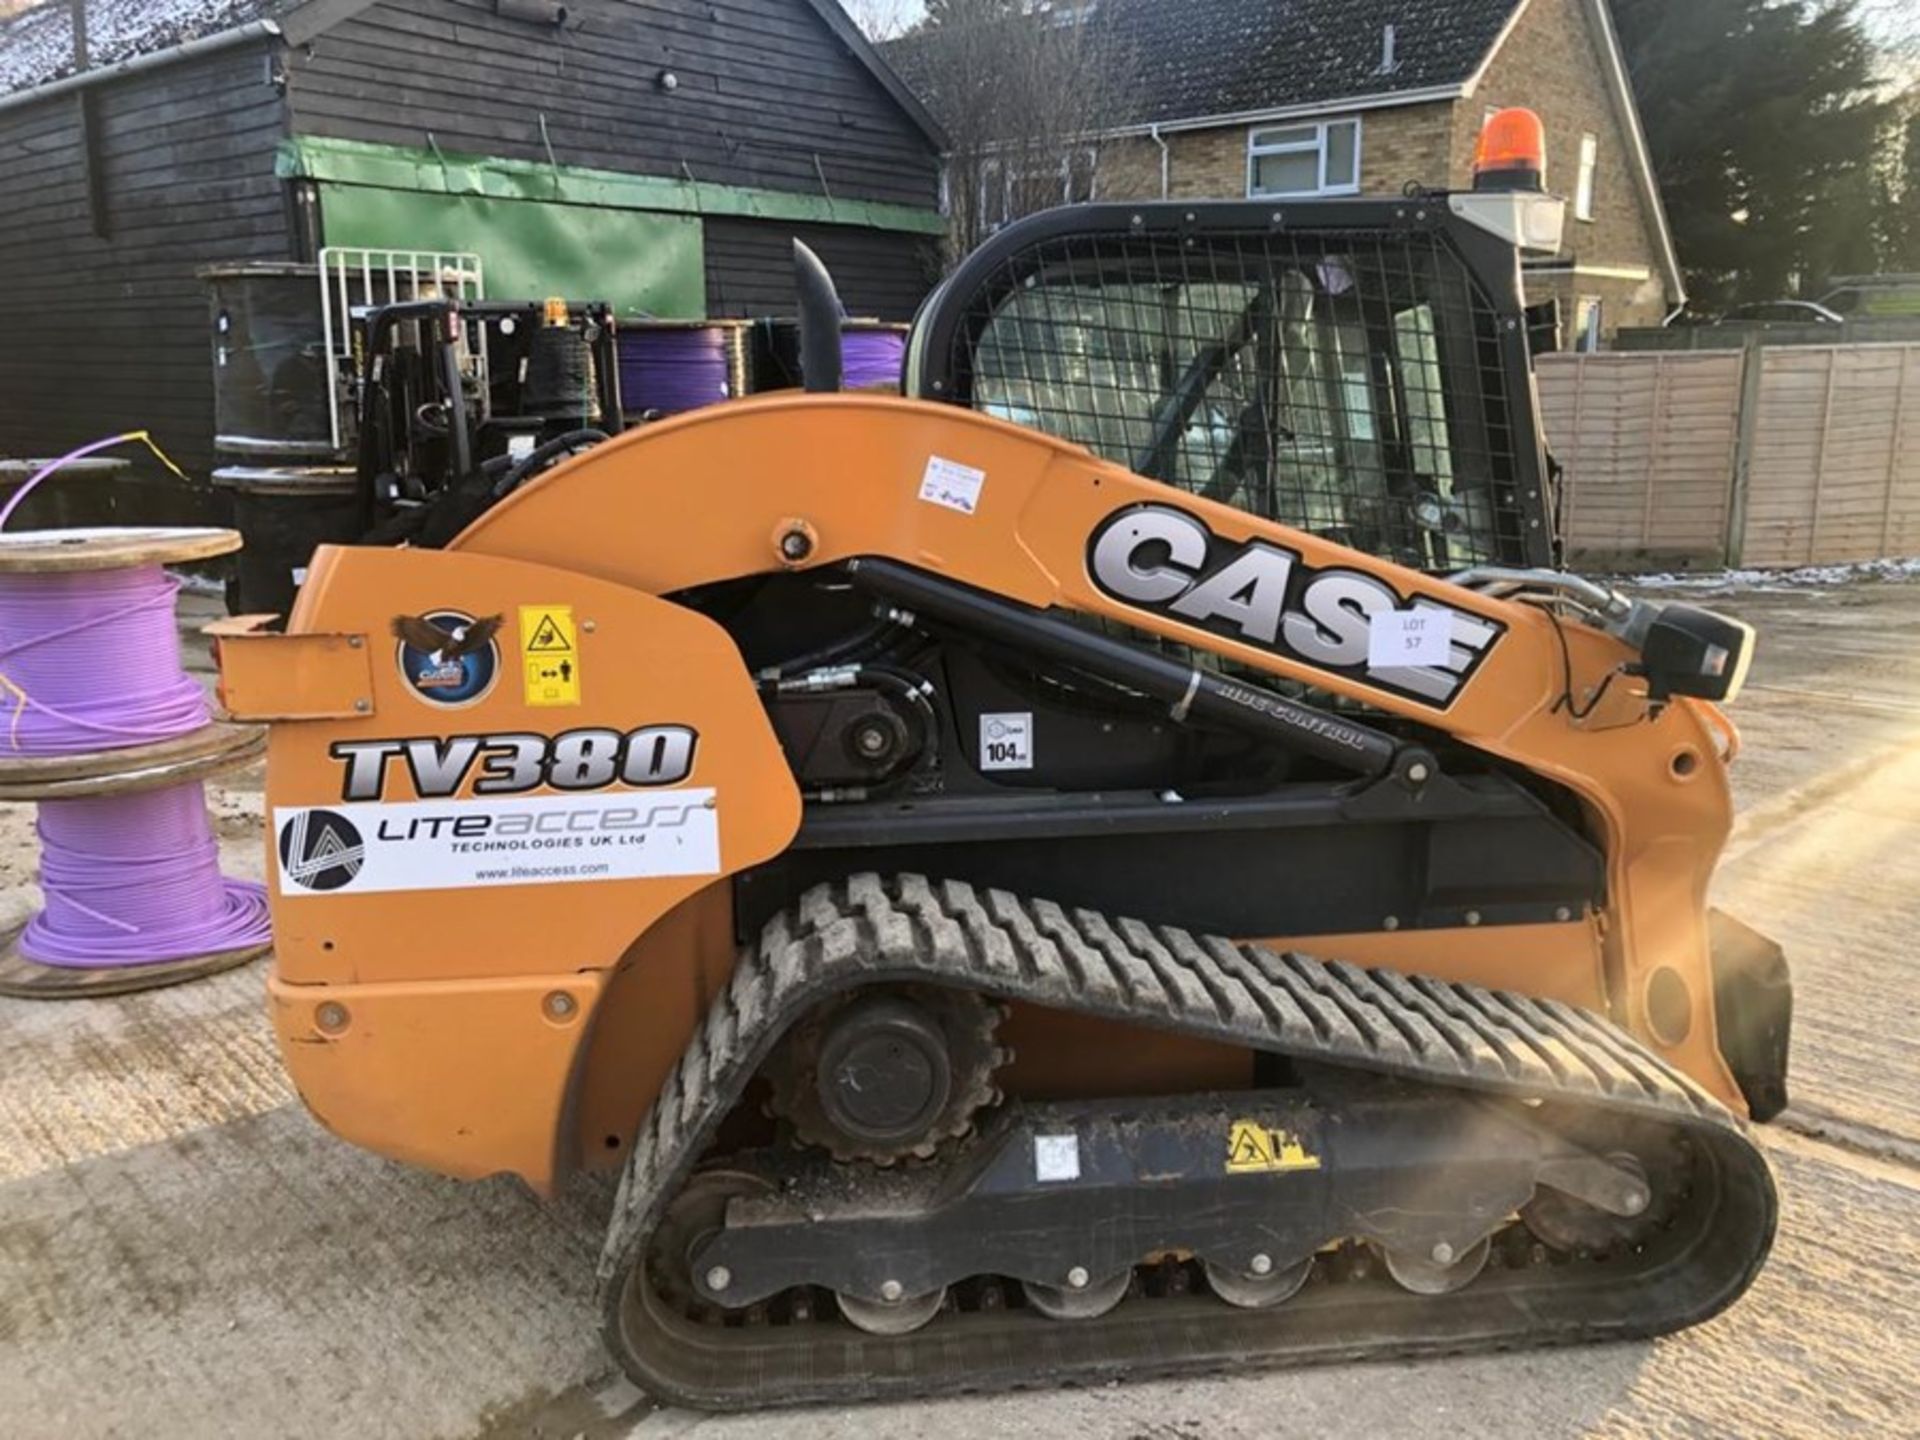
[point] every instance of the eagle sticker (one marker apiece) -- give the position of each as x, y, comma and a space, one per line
448, 657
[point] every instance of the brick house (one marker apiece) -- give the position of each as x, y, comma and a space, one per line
1293, 98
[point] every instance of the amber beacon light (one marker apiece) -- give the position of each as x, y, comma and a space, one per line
1512, 152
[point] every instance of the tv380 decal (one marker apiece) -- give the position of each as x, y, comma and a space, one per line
514, 762
1161, 559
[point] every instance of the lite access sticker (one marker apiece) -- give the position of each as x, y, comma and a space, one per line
550, 654
364, 849
1253, 1148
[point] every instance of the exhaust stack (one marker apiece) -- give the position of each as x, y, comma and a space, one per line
820, 317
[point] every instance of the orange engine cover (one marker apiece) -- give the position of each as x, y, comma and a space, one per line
513, 774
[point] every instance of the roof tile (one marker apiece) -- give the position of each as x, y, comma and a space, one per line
1190, 59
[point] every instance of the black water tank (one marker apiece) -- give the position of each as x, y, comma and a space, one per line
284, 512
270, 371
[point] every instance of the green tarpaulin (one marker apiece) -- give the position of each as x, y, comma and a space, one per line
638, 261
632, 240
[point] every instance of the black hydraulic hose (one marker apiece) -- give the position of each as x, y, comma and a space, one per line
1186, 689
840, 651
536, 459
905, 683
862, 645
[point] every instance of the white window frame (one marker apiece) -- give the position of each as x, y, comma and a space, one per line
1317, 146
997, 174
1584, 185
1589, 321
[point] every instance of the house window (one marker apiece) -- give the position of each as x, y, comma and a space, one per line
1583, 188
1012, 188
1318, 158
1586, 323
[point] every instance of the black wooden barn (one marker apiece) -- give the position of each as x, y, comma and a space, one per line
655, 153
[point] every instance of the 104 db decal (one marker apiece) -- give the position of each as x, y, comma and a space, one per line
1158, 558
514, 763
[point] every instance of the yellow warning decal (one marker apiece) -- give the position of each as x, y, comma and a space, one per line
549, 654
1253, 1147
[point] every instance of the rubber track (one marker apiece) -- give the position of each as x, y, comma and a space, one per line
868, 930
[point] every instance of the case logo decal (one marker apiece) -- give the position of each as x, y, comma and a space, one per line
1158, 558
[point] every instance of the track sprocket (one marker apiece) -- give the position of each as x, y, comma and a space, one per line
888, 1073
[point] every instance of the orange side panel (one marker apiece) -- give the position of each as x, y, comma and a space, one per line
640, 661
447, 1025
469, 1080
655, 999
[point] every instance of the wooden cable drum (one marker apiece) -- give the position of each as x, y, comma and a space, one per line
285, 511
103, 726
668, 367
873, 354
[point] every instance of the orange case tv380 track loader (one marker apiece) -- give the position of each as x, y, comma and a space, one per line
1009, 914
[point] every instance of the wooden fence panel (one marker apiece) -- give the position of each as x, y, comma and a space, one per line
1835, 469
1647, 442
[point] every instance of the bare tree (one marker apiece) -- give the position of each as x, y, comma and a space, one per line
879, 20
1025, 90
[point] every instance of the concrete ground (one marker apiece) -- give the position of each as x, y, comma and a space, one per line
183, 1252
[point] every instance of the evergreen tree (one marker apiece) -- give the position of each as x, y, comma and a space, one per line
1765, 127
1899, 228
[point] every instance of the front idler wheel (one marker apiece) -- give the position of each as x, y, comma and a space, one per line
1573, 1226
1438, 1271
1087, 1300
697, 1214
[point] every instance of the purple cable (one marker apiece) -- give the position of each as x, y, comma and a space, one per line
670, 369
871, 357
33, 481
90, 660
135, 880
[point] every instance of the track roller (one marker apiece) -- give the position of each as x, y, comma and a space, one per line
892, 1317
1261, 1286
1440, 1271
1088, 1300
